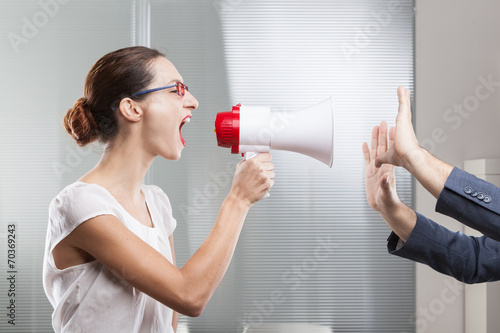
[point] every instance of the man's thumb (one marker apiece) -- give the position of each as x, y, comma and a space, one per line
385, 183
381, 159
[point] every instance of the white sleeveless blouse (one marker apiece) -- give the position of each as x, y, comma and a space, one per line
89, 297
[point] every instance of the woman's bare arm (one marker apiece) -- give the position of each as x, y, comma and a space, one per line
186, 290
175, 315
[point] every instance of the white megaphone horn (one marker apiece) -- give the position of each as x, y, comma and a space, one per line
255, 129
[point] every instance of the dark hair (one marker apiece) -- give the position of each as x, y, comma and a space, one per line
116, 75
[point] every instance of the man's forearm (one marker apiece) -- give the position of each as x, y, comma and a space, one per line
401, 219
431, 172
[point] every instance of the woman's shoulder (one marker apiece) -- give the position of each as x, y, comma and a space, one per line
82, 195
77, 203
79, 188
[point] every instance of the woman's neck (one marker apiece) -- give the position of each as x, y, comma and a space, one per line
122, 168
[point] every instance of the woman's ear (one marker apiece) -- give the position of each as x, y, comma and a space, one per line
130, 109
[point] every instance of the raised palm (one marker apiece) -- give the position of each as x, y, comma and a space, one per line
380, 183
383, 155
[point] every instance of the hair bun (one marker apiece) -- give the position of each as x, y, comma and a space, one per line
80, 123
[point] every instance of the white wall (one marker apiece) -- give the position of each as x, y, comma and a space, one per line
457, 43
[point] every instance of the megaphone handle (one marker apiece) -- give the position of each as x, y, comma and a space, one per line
249, 155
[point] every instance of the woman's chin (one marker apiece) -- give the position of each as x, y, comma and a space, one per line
172, 156
175, 157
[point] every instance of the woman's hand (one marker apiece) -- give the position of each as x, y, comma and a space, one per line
380, 182
405, 151
253, 178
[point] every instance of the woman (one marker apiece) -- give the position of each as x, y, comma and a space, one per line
109, 264
460, 195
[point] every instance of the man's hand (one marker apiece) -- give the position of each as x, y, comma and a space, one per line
405, 150
402, 150
380, 182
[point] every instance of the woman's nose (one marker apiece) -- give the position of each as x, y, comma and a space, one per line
190, 102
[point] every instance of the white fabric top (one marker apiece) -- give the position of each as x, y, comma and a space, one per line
89, 297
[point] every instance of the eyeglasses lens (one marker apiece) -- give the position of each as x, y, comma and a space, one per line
181, 89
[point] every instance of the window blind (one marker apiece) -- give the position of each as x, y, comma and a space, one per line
312, 256
42, 77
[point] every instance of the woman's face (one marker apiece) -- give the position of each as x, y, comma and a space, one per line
166, 112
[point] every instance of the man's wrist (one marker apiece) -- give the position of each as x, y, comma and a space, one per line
430, 171
390, 212
401, 219
415, 159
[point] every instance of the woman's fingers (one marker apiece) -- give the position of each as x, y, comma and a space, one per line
265, 174
263, 157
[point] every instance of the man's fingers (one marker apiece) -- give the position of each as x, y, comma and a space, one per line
366, 153
382, 138
392, 135
385, 183
404, 102
403, 96
381, 159
374, 146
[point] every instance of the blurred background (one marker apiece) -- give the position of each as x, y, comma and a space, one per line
313, 255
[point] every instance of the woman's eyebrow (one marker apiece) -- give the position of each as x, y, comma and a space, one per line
173, 81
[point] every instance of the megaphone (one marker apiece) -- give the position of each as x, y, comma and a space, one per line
255, 129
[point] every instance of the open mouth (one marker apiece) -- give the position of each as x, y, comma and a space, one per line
187, 119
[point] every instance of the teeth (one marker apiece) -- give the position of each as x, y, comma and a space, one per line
187, 120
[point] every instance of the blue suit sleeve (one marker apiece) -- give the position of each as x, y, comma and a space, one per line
472, 201
466, 258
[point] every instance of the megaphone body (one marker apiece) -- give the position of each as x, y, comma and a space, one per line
256, 129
